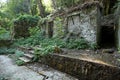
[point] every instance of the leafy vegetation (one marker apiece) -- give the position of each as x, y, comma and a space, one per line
16, 55
29, 19
19, 53
47, 45
5, 50
22, 25
19, 62
4, 34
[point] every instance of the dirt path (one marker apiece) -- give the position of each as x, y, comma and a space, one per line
14, 72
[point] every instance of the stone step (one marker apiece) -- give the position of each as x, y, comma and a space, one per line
25, 59
31, 51
26, 50
31, 56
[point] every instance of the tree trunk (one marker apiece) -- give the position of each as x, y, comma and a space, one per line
41, 8
34, 9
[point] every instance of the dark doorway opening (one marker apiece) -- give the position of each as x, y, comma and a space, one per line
107, 37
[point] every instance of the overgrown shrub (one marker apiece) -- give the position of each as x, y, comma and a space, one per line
23, 23
4, 34
58, 28
19, 62
19, 53
77, 44
4, 50
4, 20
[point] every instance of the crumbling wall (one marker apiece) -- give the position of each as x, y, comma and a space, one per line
84, 23
118, 32
117, 25
83, 69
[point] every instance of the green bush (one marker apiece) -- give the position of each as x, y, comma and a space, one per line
93, 46
5, 50
19, 53
4, 34
77, 44
30, 41
22, 25
19, 62
30, 20
4, 19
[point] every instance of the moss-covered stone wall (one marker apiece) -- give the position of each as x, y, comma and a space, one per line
82, 69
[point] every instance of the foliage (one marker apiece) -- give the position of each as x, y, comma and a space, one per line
47, 45
28, 19
58, 29
4, 19
65, 3
30, 41
34, 10
19, 53
23, 23
5, 50
18, 6
93, 46
4, 34
77, 44
19, 62
16, 55
42, 21
34, 30
4, 23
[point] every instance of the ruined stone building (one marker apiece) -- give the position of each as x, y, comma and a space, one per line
92, 22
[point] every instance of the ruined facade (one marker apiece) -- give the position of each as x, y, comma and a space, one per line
84, 24
89, 22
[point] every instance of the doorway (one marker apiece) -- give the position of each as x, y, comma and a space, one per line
107, 37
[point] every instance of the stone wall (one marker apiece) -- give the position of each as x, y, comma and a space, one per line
82, 69
118, 34
117, 25
84, 23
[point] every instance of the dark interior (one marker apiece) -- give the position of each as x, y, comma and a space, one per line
107, 37
107, 33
